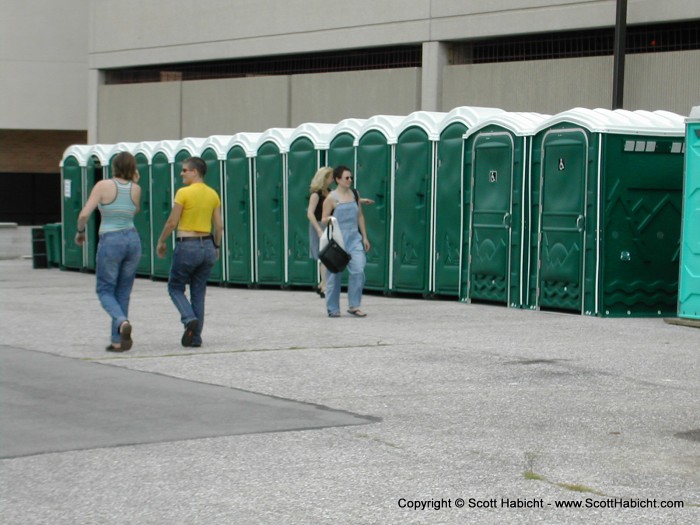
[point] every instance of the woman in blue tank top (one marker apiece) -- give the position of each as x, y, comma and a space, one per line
345, 207
119, 247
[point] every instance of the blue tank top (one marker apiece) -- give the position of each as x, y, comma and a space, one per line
118, 214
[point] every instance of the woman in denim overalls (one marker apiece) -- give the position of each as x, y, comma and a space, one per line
345, 207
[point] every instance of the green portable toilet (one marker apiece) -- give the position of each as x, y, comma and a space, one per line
496, 165
449, 196
270, 214
73, 166
143, 153
341, 149
239, 223
374, 172
412, 202
162, 194
606, 193
308, 146
689, 287
214, 151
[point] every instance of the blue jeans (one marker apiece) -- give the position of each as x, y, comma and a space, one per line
356, 282
118, 256
192, 264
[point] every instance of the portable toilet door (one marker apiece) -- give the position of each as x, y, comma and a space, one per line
161, 202
143, 153
308, 146
270, 214
606, 192
449, 196
563, 229
341, 150
412, 194
213, 151
496, 167
373, 175
73, 166
689, 284
239, 223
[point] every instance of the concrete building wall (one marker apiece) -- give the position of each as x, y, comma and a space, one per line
139, 112
669, 81
225, 107
43, 64
332, 97
551, 86
173, 110
182, 31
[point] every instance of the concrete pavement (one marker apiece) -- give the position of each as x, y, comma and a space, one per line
514, 413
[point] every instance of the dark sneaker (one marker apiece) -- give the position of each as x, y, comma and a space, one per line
188, 336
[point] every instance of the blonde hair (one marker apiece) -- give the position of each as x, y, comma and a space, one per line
319, 181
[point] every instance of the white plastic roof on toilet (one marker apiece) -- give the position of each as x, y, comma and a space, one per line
103, 153
385, 124
278, 136
167, 148
520, 123
218, 143
146, 148
428, 121
192, 145
79, 152
620, 121
351, 126
468, 115
320, 135
247, 141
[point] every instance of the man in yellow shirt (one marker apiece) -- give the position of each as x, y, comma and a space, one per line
196, 207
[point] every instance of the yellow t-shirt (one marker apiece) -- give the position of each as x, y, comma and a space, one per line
198, 202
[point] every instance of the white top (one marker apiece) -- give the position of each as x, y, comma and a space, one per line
519, 123
388, 125
220, 144
146, 148
103, 153
79, 152
191, 145
351, 126
620, 121
168, 148
320, 135
279, 136
468, 115
247, 141
429, 121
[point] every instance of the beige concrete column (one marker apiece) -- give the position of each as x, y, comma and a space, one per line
434, 62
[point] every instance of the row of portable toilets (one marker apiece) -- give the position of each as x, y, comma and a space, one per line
580, 211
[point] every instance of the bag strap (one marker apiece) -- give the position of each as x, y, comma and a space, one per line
357, 195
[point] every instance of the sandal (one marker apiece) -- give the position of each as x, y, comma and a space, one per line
112, 348
334, 314
357, 313
125, 337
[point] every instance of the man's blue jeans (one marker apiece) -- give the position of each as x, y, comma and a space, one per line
118, 255
192, 264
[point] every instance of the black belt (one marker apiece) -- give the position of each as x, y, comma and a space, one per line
203, 238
